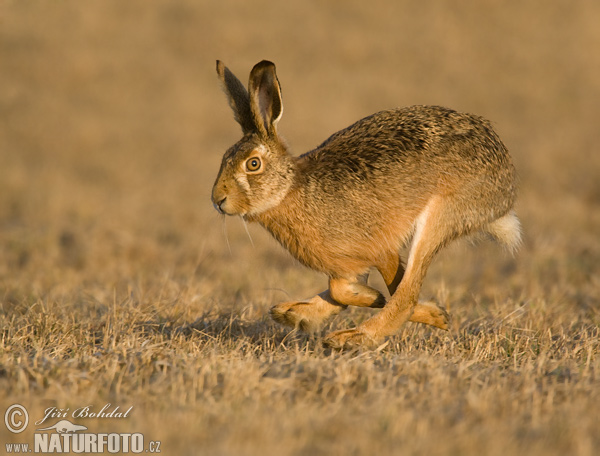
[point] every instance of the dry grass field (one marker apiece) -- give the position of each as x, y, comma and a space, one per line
120, 284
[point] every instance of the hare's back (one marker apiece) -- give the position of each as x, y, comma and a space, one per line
408, 141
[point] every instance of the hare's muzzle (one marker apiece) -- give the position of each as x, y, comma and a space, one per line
219, 197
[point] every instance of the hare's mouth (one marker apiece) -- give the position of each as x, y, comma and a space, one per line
223, 207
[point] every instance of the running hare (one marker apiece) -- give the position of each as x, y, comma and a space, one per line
419, 176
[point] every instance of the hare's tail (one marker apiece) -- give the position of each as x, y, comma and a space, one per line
506, 230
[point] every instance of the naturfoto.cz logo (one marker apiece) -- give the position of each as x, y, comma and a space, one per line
64, 436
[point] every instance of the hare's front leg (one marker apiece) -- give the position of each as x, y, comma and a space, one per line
310, 315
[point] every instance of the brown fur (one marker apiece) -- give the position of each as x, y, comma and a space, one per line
423, 174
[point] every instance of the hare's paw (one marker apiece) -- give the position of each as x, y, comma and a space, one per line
307, 316
288, 313
349, 339
432, 314
440, 317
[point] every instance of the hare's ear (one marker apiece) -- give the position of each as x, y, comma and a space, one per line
265, 98
237, 96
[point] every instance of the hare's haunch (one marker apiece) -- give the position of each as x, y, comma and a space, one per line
419, 176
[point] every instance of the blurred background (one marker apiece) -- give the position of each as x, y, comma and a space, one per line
113, 124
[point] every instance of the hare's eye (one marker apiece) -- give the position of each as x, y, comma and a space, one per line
253, 164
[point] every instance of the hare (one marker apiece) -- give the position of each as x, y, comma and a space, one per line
418, 177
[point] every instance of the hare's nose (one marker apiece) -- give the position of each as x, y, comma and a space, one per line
218, 205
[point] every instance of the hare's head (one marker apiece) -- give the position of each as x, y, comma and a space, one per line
257, 172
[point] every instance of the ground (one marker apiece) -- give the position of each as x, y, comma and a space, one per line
120, 284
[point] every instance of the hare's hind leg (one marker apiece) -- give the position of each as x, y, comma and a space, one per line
434, 227
426, 312
310, 315
356, 292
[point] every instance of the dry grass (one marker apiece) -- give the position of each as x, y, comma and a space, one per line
118, 285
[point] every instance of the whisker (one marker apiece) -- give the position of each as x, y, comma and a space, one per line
226, 235
247, 231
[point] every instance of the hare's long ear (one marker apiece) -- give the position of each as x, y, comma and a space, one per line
265, 98
237, 96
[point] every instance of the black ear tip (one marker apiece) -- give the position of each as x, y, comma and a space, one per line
220, 67
264, 64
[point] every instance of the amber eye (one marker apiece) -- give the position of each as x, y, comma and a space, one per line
253, 164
